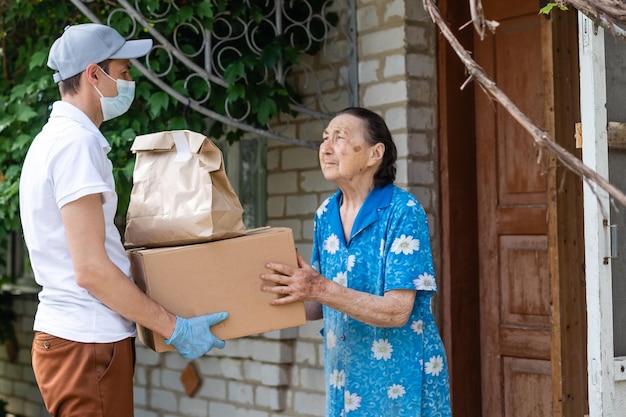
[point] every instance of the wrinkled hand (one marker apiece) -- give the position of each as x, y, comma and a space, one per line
192, 337
293, 284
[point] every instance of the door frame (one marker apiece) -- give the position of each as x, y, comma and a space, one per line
597, 209
460, 300
566, 227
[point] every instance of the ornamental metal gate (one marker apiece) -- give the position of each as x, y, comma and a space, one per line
324, 82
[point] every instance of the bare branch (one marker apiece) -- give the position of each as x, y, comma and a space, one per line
541, 137
478, 19
605, 13
613, 10
609, 25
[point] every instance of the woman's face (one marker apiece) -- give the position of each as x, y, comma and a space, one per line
344, 154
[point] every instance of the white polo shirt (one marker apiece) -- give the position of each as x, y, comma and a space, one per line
66, 161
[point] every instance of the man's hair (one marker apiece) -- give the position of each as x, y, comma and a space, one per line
71, 85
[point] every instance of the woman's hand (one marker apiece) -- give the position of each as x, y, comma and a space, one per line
303, 283
293, 284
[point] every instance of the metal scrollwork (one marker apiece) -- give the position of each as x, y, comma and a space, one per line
325, 78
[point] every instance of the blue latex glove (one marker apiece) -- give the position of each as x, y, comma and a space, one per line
192, 337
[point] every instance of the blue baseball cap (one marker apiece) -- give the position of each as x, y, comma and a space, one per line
91, 43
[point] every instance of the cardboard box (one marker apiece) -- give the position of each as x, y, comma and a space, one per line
218, 276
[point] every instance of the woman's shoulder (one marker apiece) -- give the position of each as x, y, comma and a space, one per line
402, 198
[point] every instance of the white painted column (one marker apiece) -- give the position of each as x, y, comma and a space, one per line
596, 218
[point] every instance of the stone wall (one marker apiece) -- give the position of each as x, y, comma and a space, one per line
281, 373
17, 382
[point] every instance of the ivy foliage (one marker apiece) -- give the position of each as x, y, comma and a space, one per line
547, 9
29, 27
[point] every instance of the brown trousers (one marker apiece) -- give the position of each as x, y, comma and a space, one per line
84, 379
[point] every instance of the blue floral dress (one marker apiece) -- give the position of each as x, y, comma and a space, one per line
374, 371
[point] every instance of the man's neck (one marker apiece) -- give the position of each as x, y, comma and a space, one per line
86, 104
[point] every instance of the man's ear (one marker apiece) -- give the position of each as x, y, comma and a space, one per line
92, 73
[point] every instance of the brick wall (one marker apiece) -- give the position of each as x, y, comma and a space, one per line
17, 382
280, 373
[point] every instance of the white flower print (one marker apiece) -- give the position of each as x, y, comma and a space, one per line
331, 244
382, 247
316, 265
418, 326
353, 401
331, 339
323, 208
425, 282
395, 391
411, 203
337, 378
351, 262
434, 365
382, 349
405, 244
341, 278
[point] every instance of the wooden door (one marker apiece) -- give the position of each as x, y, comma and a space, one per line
509, 332
512, 191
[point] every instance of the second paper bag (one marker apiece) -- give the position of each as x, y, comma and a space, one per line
180, 193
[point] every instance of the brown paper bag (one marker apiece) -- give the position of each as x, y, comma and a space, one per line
180, 193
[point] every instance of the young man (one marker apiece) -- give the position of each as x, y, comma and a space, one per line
83, 349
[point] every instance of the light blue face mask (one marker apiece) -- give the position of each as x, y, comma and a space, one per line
118, 105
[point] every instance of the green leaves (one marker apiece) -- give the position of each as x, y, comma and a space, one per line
5, 121
548, 8
24, 112
38, 59
205, 10
250, 68
236, 92
159, 102
267, 110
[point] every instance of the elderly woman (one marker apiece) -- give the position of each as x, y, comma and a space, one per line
371, 280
